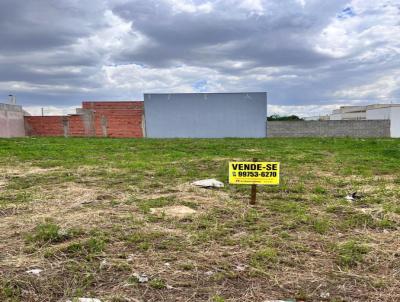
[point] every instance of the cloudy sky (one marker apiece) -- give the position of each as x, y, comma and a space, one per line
309, 55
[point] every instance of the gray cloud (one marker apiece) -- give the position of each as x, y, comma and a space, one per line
44, 24
310, 52
276, 39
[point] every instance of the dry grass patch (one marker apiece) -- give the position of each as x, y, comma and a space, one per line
105, 214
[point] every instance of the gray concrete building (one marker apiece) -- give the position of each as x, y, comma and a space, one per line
205, 115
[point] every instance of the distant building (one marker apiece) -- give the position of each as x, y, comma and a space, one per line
317, 118
386, 112
389, 112
349, 113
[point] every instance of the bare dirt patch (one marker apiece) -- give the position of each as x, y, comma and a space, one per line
188, 192
173, 211
24, 170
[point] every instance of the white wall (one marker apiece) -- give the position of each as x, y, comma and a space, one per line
395, 122
353, 116
11, 121
379, 113
391, 113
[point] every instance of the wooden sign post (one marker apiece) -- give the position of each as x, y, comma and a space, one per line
253, 197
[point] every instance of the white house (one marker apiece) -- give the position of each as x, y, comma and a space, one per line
386, 112
371, 112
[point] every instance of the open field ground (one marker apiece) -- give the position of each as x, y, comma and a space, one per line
95, 214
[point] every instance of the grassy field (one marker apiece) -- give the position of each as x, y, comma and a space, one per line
87, 213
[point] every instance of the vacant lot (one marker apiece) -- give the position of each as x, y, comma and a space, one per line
96, 214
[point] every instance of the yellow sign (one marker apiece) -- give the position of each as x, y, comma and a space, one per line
254, 173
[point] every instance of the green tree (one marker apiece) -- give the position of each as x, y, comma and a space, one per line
276, 117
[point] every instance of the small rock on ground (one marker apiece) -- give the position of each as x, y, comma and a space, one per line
208, 183
35, 271
142, 278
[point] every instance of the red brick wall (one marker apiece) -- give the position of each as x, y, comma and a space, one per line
117, 119
113, 105
111, 119
44, 125
76, 126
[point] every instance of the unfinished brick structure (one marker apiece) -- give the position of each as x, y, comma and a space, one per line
101, 119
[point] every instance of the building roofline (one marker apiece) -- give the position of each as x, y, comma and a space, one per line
243, 92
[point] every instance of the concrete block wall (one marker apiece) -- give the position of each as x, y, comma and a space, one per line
336, 128
11, 121
102, 119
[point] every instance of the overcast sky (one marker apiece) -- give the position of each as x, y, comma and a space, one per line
309, 55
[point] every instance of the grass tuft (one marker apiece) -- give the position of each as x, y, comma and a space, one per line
351, 253
47, 233
264, 257
157, 283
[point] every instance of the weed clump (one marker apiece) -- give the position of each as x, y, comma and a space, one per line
321, 226
218, 298
157, 284
351, 253
89, 247
47, 232
264, 257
